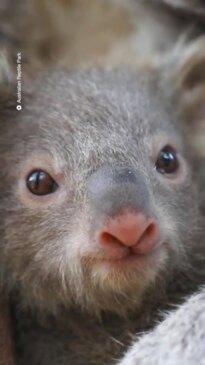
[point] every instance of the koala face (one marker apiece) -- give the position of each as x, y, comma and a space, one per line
97, 199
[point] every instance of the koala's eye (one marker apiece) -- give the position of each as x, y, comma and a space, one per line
167, 161
40, 182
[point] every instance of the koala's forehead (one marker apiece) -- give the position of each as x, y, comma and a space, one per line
92, 106
95, 97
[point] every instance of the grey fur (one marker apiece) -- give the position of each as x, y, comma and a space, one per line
178, 340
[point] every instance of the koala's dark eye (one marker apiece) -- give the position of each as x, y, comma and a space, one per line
167, 161
40, 182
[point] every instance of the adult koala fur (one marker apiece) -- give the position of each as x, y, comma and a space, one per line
179, 339
97, 200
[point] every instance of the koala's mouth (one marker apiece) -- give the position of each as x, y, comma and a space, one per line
129, 258
127, 249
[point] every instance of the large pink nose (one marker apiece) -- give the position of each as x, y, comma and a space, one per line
128, 233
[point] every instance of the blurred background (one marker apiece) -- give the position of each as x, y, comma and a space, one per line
108, 33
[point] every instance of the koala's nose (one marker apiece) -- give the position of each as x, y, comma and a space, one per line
121, 211
112, 190
128, 232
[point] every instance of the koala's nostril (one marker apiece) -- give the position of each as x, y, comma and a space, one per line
129, 231
148, 240
107, 238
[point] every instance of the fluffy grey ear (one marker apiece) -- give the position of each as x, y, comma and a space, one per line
7, 83
184, 80
189, 79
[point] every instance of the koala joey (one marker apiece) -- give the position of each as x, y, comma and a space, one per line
99, 218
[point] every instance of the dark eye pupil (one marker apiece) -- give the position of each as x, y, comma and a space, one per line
40, 182
167, 162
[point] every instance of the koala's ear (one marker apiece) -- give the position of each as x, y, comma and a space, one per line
189, 80
7, 77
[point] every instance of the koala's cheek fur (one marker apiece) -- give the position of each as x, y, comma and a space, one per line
56, 265
53, 267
